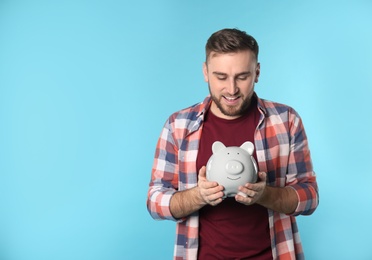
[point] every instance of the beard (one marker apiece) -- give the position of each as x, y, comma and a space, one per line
232, 111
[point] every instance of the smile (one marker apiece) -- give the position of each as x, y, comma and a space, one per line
230, 99
233, 179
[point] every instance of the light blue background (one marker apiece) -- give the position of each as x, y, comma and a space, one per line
85, 87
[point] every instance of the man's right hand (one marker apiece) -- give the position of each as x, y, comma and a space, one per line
210, 192
184, 203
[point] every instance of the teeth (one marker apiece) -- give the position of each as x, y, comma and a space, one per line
231, 98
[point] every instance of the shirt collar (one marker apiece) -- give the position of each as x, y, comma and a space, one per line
204, 106
260, 105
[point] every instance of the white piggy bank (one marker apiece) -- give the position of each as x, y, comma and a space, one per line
232, 167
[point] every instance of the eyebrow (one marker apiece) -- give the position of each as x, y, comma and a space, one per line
244, 73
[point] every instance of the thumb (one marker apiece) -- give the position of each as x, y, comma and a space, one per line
262, 176
202, 173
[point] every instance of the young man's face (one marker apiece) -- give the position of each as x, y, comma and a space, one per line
231, 78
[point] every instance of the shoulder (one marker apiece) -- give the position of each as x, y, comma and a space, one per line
271, 108
185, 121
191, 113
278, 114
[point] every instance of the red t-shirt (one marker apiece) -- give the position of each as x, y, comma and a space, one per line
231, 230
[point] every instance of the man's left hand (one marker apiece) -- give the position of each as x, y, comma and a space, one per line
253, 191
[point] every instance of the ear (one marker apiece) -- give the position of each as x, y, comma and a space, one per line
258, 70
205, 71
248, 146
217, 146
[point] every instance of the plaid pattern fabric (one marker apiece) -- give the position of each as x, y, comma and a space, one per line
282, 152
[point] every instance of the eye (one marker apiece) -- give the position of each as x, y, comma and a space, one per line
221, 77
242, 77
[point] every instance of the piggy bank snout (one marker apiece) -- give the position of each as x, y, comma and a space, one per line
234, 167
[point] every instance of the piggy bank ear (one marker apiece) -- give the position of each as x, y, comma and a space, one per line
217, 146
248, 146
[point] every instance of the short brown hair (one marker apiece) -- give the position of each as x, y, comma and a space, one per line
230, 40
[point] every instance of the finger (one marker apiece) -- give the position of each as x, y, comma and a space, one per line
202, 171
207, 189
249, 190
215, 196
262, 176
244, 200
216, 202
255, 187
212, 187
252, 194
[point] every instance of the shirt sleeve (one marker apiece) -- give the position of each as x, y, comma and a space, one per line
301, 176
164, 176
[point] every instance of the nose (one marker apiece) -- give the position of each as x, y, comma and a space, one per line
234, 167
232, 88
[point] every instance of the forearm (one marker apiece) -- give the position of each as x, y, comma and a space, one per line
280, 199
184, 203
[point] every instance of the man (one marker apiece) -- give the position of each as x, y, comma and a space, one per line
262, 224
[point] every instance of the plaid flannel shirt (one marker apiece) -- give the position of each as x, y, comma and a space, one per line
282, 152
